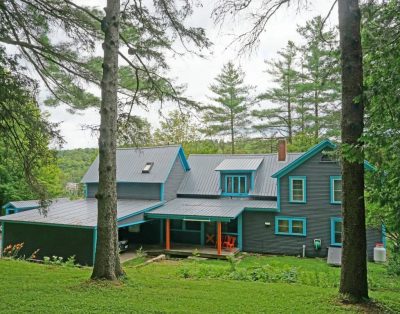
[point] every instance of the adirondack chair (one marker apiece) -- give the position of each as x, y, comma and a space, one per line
230, 243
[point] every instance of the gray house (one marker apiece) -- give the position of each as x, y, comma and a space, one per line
270, 203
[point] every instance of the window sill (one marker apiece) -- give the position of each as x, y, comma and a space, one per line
291, 234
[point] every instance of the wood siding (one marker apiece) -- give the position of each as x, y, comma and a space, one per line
51, 241
257, 237
174, 180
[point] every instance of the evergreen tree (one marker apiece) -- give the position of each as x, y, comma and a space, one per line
281, 119
320, 78
133, 131
229, 115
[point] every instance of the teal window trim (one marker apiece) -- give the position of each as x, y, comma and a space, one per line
332, 180
232, 177
290, 223
304, 180
335, 220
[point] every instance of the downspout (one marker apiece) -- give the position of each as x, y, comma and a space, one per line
94, 243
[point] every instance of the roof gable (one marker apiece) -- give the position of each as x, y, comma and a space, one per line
130, 164
304, 157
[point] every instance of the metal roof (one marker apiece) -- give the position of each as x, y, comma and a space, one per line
131, 161
80, 213
202, 179
186, 208
239, 164
23, 204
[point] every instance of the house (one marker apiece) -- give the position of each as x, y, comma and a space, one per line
271, 203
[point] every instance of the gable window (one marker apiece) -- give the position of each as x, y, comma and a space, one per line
297, 189
236, 185
336, 231
336, 189
295, 226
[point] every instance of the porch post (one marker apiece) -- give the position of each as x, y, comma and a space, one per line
219, 238
167, 235
161, 231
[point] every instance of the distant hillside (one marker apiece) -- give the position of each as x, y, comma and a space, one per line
75, 162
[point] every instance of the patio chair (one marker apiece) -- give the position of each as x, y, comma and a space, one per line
230, 243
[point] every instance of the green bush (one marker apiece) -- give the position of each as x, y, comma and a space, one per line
394, 265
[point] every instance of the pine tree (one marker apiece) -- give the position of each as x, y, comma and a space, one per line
281, 119
230, 112
320, 83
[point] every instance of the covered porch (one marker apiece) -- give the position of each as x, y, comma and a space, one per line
206, 226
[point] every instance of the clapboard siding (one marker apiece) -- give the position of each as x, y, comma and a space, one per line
145, 191
174, 180
51, 240
318, 211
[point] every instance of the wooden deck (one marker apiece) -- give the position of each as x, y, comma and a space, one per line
185, 250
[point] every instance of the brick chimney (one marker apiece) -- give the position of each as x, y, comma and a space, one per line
282, 150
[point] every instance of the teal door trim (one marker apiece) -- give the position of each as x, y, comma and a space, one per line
240, 231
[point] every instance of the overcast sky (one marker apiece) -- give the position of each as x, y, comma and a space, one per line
198, 73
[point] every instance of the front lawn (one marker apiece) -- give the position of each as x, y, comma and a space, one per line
187, 286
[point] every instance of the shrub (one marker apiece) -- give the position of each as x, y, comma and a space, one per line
393, 268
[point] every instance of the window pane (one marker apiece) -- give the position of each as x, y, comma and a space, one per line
192, 225
297, 190
337, 190
297, 226
176, 224
235, 184
283, 225
243, 185
229, 184
338, 232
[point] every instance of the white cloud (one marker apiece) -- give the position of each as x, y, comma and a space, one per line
198, 73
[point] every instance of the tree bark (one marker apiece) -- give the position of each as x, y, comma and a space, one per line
353, 281
107, 264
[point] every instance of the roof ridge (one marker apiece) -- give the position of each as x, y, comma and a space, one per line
232, 155
148, 147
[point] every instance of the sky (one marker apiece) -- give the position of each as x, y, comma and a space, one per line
198, 73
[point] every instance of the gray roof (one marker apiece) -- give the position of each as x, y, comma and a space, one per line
23, 204
131, 161
81, 213
239, 164
202, 179
210, 208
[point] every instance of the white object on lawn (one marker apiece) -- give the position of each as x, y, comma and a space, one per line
334, 256
379, 254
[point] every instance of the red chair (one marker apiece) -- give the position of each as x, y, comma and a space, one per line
230, 243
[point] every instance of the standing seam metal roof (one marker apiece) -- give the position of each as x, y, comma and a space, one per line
239, 164
131, 161
202, 179
80, 213
222, 207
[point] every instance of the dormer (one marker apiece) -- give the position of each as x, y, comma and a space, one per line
237, 175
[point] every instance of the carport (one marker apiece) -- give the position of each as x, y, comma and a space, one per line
69, 227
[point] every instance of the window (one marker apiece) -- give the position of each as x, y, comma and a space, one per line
176, 224
295, 226
236, 185
192, 225
297, 189
336, 231
148, 167
336, 189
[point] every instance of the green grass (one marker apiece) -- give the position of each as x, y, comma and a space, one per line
161, 287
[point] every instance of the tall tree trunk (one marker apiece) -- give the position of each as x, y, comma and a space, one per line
232, 134
316, 115
353, 281
107, 264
